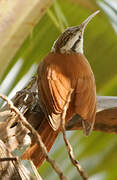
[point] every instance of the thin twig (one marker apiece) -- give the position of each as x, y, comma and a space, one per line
69, 147
36, 136
8, 159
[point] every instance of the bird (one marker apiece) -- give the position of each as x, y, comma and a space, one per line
64, 68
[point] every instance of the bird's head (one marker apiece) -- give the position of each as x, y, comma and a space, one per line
71, 40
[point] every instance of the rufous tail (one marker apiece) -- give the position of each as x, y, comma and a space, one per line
48, 136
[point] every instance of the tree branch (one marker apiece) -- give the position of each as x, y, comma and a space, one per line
106, 116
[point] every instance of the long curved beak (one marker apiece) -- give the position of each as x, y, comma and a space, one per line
84, 24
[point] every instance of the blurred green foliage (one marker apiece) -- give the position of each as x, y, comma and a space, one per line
97, 153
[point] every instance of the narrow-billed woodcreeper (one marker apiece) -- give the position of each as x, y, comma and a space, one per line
63, 69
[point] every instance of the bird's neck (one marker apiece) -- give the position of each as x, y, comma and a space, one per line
70, 47
78, 46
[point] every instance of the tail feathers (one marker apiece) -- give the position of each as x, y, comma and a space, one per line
88, 125
48, 136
